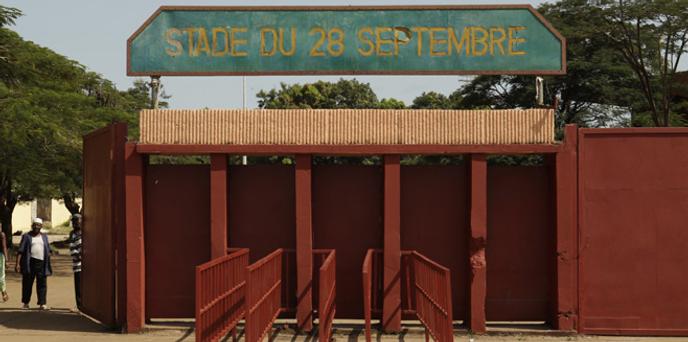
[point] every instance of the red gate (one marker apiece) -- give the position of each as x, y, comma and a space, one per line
633, 194
264, 295
220, 295
427, 292
327, 294
432, 287
103, 224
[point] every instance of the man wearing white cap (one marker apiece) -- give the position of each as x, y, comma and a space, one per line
34, 257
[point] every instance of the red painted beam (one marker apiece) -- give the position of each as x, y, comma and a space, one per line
347, 149
304, 243
391, 307
477, 243
135, 258
218, 205
567, 232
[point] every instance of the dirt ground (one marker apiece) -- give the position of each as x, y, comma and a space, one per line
61, 325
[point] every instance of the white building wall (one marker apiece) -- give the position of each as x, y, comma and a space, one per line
25, 212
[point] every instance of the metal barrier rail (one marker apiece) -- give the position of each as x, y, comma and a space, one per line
326, 296
367, 272
432, 287
220, 295
264, 295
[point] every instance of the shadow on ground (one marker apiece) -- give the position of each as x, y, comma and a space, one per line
53, 320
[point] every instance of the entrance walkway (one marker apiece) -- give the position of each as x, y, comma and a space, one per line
61, 325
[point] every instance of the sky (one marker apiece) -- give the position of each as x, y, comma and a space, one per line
95, 32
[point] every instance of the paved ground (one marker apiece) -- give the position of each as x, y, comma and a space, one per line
61, 325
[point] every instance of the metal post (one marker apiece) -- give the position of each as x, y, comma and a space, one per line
244, 159
540, 91
155, 91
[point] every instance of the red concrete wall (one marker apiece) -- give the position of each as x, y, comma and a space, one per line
261, 208
347, 215
633, 223
177, 232
434, 221
520, 243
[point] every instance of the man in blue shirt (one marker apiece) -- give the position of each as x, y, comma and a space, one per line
33, 256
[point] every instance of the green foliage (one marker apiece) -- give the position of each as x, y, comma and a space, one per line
324, 95
652, 37
434, 100
598, 89
391, 104
47, 103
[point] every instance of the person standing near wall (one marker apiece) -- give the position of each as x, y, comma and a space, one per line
34, 257
3, 265
75, 251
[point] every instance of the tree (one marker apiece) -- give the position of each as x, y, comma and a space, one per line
434, 100
651, 35
46, 106
321, 94
597, 90
7, 17
391, 103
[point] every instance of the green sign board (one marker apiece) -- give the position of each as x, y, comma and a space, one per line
346, 40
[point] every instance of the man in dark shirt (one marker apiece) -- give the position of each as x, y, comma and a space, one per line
33, 259
75, 251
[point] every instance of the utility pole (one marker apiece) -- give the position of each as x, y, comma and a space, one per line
244, 159
155, 91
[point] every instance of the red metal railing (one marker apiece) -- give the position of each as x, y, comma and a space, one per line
367, 272
432, 287
264, 295
326, 296
433, 284
220, 295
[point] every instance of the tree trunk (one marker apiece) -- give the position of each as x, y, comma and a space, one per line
70, 203
7, 203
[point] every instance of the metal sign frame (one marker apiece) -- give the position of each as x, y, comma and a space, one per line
536, 14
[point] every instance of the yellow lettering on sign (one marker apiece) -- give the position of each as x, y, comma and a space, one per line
420, 31
459, 44
202, 42
190, 33
366, 40
499, 42
434, 41
178, 48
293, 42
338, 41
399, 40
315, 50
513, 41
479, 39
233, 51
381, 42
263, 32
225, 34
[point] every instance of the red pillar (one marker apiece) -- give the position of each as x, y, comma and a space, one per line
218, 205
304, 244
566, 233
477, 244
391, 307
135, 259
